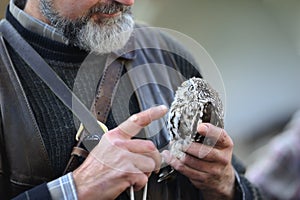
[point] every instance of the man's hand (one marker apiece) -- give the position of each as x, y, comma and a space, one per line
118, 162
208, 165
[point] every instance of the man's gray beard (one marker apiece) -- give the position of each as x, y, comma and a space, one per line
104, 39
110, 35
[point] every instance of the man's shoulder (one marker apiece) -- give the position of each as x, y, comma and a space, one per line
164, 39
155, 37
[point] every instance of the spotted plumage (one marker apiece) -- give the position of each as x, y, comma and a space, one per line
195, 102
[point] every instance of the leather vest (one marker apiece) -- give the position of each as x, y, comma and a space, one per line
24, 162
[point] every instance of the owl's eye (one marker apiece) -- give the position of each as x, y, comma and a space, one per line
191, 88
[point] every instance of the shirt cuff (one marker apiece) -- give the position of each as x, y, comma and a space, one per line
63, 188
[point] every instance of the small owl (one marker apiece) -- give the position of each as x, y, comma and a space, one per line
195, 102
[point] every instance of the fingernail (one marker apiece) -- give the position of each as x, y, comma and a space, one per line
203, 128
163, 108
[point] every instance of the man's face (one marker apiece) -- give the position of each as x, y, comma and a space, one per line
100, 26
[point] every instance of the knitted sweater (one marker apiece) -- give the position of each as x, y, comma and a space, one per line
55, 121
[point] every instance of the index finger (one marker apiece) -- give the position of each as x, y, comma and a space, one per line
136, 122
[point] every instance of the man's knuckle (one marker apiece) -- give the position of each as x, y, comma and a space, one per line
215, 171
180, 167
118, 143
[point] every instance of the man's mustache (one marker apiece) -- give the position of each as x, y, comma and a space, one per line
109, 8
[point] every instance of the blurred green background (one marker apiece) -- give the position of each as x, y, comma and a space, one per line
256, 46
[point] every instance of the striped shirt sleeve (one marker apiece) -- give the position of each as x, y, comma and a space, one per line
63, 188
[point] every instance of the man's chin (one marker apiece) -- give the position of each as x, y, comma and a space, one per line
100, 45
102, 39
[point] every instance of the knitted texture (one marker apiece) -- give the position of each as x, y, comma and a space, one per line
55, 120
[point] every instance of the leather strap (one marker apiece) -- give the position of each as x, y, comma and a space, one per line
100, 107
45, 72
77, 151
106, 90
102, 102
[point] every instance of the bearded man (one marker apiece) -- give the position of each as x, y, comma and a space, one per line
37, 130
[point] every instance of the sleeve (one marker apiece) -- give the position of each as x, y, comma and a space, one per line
62, 188
244, 190
38, 192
